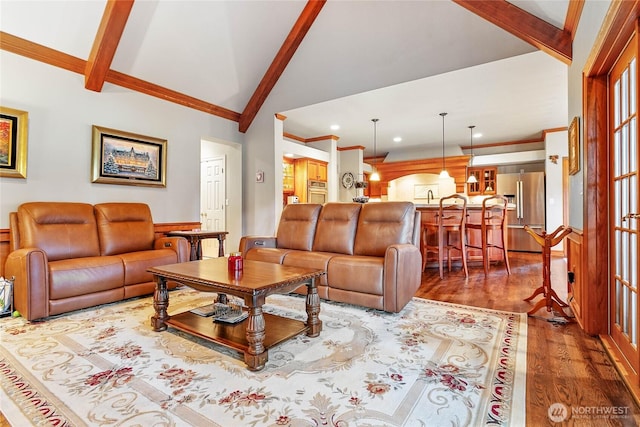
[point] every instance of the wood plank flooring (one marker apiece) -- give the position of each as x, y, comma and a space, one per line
564, 365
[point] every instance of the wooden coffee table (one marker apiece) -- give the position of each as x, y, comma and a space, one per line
260, 331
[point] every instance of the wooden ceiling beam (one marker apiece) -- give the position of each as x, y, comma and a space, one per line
527, 27
41, 53
280, 62
114, 19
44, 54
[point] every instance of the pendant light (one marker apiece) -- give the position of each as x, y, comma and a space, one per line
472, 178
375, 176
444, 174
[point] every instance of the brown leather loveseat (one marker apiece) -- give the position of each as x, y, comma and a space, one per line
68, 256
370, 252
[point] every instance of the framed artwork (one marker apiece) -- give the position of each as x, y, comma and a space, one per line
574, 146
14, 126
128, 159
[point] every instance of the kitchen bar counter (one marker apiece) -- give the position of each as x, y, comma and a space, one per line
474, 210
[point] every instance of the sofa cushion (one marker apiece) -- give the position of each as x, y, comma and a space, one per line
124, 227
336, 229
137, 263
62, 230
381, 225
81, 276
363, 274
318, 260
297, 226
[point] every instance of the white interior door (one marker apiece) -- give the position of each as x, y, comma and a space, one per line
212, 202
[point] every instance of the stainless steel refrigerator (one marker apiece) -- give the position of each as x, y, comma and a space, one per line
527, 191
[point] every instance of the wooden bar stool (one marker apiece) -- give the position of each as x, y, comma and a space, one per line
450, 219
493, 230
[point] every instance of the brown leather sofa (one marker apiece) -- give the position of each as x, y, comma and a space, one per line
68, 256
370, 252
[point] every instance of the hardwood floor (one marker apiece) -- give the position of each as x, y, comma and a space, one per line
564, 365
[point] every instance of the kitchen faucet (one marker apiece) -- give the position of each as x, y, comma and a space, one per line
429, 196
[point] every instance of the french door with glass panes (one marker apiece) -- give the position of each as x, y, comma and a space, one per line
624, 211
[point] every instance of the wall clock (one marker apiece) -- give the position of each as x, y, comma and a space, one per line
347, 180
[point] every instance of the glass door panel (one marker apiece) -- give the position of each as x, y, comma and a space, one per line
624, 205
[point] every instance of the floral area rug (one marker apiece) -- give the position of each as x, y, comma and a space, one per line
433, 364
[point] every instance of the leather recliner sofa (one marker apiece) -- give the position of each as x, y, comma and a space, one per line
370, 252
68, 256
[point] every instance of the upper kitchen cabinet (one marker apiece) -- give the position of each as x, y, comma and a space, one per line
486, 178
287, 175
309, 169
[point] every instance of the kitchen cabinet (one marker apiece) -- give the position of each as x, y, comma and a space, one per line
487, 180
288, 179
308, 170
315, 169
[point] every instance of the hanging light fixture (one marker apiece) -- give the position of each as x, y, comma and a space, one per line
444, 174
472, 178
375, 176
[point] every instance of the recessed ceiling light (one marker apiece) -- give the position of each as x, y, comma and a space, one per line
335, 127
477, 135
397, 139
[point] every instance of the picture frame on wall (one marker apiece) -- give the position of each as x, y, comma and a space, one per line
14, 125
574, 146
126, 158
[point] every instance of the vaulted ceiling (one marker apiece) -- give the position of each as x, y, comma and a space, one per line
227, 58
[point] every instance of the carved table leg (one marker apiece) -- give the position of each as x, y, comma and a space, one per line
160, 304
256, 356
313, 310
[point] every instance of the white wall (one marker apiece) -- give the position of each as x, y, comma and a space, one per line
593, 14
556, 143
61, 113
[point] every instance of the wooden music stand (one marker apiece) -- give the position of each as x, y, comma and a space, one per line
551, 299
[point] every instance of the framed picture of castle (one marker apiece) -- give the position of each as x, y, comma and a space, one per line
128, 159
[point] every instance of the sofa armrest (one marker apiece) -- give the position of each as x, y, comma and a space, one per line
402, 275
29, 267
179, 245
249, 242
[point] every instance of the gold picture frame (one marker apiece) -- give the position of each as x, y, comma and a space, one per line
574, 146
126, 158
14, 125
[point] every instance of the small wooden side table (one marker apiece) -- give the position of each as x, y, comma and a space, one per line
551, 299
195, 237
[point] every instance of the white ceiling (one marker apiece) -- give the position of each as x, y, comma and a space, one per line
400, 61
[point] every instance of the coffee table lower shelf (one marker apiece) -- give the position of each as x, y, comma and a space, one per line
233, 335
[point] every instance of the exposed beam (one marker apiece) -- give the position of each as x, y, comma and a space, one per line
157, 91
573, 17
280, 62
65, 61
32, 50
531, 29
114, 19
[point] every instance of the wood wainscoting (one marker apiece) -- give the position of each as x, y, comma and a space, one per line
578, 299
160, 230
